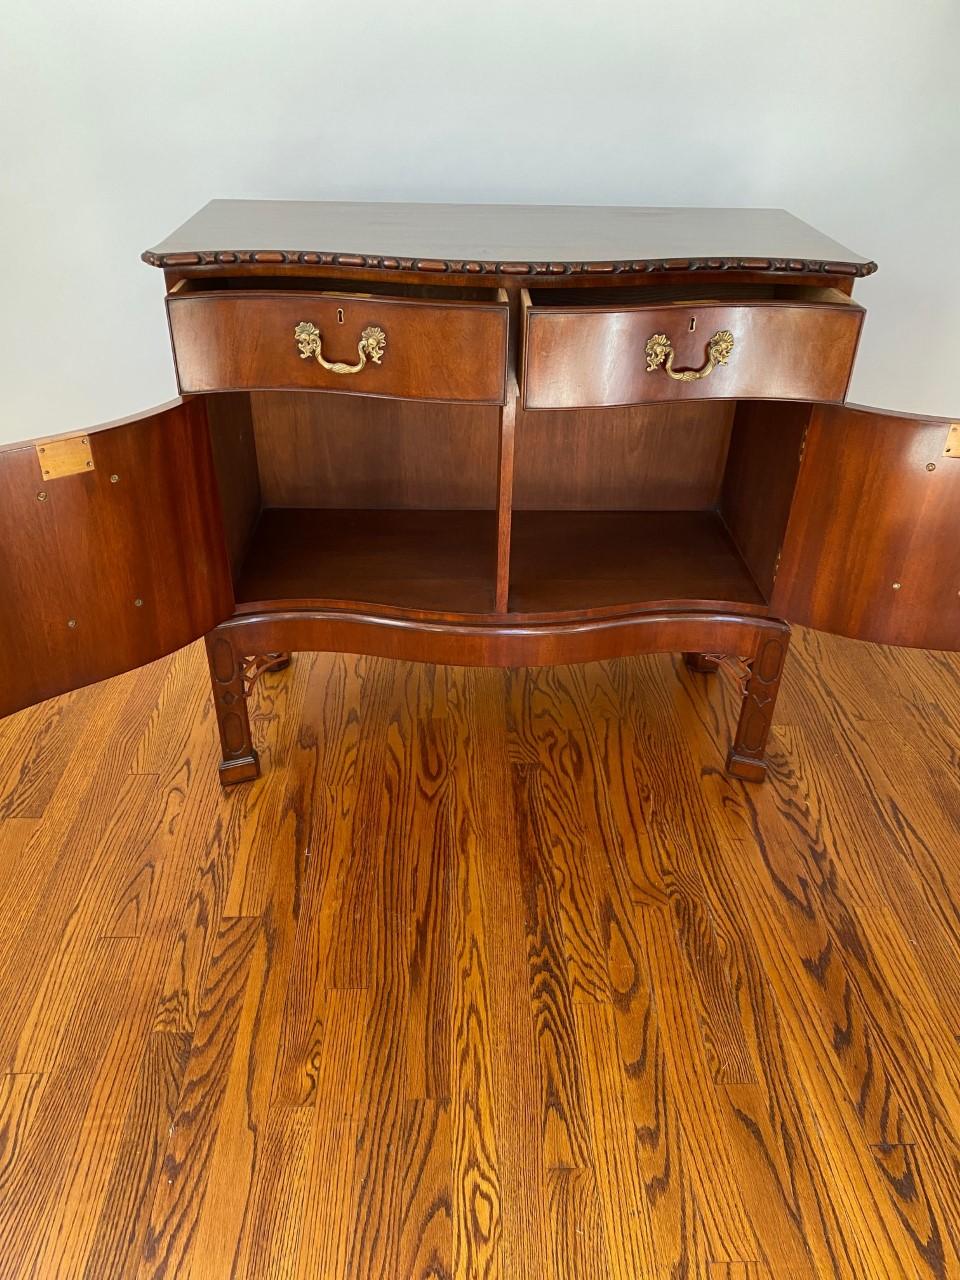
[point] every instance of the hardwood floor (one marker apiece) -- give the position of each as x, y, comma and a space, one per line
490, 975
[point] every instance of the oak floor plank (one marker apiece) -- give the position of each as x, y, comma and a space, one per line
563, 1119
78, 810
737, 1271
180, 700
484, 818
823, 669
272, 819
679, 830
727, 1183
124, 1217
681, 1213
353, 960
476, 1192
817, 1049
630, 1247
19, 837
425, 1218
682, 1241
19, 1096
54, 1192
184, 1176
764, 1111
823, 929
35, 750
270, 1243
579, 1247
392, 784
790, 1206
322, 782
854, 940
425, 847
190, 957
332, 1183
903, 1167
912, 802
569, 806
62, 938
227, 1205
491, 974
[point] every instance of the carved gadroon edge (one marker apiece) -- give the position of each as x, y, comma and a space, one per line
372, 262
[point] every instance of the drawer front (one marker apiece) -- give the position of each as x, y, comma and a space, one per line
371, 346
599, 356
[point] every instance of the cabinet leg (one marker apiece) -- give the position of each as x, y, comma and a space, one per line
747, 755
240, 762
705, 663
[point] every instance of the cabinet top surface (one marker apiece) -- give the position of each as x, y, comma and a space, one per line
501, 239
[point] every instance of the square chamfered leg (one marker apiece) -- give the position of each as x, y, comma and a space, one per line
240, 762
747, 758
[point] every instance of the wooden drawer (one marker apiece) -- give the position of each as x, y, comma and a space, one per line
274, 334
598, 348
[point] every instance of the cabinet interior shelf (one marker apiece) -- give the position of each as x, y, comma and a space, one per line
562, 562
431, 561
568, 562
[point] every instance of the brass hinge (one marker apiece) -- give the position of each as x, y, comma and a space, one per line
68, 457
953, 442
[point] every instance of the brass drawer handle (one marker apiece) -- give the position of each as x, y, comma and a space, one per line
660, 349
372, 342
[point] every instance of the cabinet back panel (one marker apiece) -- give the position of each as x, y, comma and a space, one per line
333, 451
644, 457
340, 451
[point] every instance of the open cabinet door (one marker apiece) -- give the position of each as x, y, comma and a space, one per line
872, 548
111, 551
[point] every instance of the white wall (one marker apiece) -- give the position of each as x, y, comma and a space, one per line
119, 119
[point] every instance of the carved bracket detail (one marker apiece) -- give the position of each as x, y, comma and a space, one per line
255, 665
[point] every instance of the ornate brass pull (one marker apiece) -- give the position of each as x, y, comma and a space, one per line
371, 344
660, 349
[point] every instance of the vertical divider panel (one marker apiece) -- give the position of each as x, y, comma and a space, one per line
508, 425
763, 462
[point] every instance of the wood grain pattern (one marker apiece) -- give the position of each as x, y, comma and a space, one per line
106, 570
492, 974
651, 457
316, 451
876, 490
588, 356
233, 340
766, 446
354, 451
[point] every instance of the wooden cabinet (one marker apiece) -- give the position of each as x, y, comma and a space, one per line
485, 435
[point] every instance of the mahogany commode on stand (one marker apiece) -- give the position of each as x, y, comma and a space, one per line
489, 435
